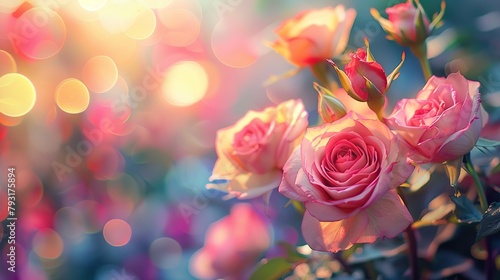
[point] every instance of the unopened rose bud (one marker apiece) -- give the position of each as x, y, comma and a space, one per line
364, 79
330, 108
368, 79
408, 24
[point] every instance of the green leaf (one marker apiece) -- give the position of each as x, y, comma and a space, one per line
272, 269
487, 143
490, 224
395, 73
291, 253
465, 211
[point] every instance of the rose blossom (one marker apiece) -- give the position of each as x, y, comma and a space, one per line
443, 122
232, 245
253, 151
313, 36
345, 173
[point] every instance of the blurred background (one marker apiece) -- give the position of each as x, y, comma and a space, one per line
109, 111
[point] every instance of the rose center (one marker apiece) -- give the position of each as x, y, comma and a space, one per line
426, 115
251, 136
346, 155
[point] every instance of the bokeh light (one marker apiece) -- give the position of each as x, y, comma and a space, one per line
100, 74
165, 252
48, 244
185, 83
17, 95
10, 6
39, 33
92, 5
72, 96
233, 46
183, 26
7, 63
117, 232
143, 26
157, 4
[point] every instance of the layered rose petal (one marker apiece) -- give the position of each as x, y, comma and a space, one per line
387, 217
443, 122
315, 35
343, 172
253, 151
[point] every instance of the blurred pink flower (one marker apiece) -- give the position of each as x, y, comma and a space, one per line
345, 173
315, 35
253, 151
443, 122
233, 245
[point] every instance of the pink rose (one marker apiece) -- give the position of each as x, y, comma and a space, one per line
253, 151
368, 79
315, 35
346, 173
406, 24
232, 245
443, 122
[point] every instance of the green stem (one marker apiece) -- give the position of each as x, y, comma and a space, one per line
319, 71
420, 52
377, 106
477, 182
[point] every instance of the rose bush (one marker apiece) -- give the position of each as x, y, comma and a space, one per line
443, 122
252, 152
314, 35
345, 173
232, 245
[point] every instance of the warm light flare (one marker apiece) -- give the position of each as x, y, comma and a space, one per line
185, 83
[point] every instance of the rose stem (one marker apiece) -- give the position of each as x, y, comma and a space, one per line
345, 266
420, 51
477, 182
319, 70
412, 244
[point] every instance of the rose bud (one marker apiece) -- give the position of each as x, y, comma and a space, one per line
408, 25
365, 80
330, 108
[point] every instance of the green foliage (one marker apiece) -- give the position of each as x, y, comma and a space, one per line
490, 223
272, 269
465, 210
277, 267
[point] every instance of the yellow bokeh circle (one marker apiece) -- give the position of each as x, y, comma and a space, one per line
72, 96
17, 95
185, 83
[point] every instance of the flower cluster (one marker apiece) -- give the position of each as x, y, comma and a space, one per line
347, 171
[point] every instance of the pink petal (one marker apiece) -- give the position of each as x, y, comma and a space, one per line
386, 218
